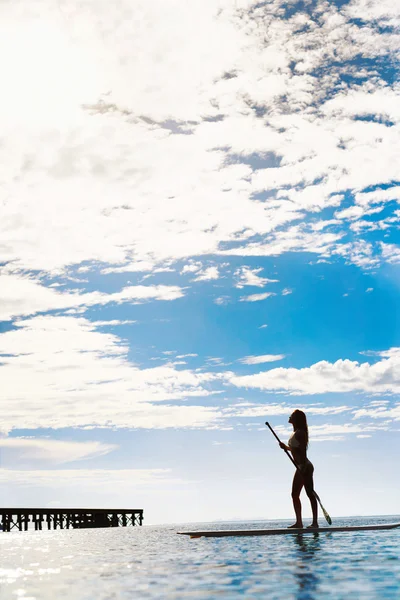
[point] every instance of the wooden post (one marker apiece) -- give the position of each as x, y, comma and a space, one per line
20, 518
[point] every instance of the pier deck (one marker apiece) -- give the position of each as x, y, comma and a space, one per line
66, 518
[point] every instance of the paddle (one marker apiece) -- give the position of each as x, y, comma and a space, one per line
327, 517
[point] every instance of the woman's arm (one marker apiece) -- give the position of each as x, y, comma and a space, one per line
285, 447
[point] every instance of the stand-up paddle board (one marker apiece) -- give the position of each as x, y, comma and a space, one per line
282, 531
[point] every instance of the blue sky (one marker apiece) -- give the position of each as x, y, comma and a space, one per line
197, 237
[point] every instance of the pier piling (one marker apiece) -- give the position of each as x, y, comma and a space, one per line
66, 518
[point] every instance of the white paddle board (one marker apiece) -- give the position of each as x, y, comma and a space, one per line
285, 531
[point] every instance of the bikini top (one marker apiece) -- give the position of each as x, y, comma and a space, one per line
293, 442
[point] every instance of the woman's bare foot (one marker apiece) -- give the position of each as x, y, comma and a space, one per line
313, 526
296, 526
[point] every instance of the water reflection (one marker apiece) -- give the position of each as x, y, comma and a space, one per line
305, 572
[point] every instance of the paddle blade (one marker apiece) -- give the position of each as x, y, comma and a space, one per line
327, 517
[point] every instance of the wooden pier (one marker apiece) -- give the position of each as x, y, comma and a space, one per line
66, 518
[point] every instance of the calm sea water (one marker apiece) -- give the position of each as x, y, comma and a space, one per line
154, 562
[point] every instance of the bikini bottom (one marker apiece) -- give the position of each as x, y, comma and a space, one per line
306, 468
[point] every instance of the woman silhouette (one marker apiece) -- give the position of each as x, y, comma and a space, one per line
297, 445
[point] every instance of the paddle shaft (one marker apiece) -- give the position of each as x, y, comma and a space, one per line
289, 455
327, 517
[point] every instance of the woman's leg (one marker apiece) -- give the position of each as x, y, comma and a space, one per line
309, 487
297, 486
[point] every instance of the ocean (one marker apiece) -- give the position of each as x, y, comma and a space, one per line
152, 562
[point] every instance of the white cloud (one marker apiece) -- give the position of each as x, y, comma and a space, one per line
318, 433
76, 376
387, 12
209, 274
255, 360
379, 411
360, 253
383, 102
51, 451
221, 300
391, 252
377, 196
294, 239
134, 176
257, 297
138, 266
86, 478
333, 432
323, 377
247, 276
356, 212
250, 409
22, 296
192, 267
215, 360
112, 323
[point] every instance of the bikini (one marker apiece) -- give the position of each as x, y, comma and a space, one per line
294, 443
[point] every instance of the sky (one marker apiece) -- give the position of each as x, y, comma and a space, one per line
199, 210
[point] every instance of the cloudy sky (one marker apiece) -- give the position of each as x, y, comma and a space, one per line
199, 209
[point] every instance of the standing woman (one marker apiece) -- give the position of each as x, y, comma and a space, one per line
297, 445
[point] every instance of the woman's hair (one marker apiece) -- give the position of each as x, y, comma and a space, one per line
299, 421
